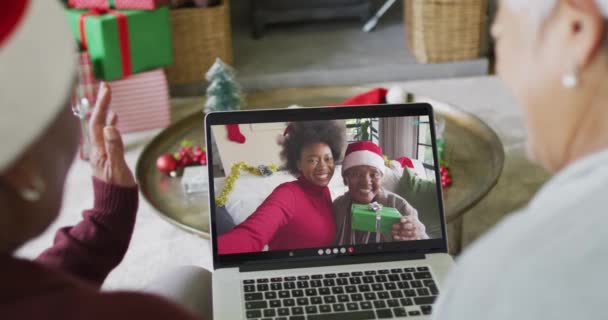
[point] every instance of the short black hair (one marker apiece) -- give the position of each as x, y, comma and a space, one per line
304, 133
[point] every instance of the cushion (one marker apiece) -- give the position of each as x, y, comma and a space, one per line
422, 195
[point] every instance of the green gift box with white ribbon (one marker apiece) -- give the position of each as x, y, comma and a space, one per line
374, 217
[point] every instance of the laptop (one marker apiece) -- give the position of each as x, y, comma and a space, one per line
309, 275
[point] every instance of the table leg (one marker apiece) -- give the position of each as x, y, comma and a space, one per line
455, 236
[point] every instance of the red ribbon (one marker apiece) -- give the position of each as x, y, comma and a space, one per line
123, 35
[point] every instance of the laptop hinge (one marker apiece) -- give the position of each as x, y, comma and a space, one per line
294, 264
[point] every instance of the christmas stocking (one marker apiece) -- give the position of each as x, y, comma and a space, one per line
234, 133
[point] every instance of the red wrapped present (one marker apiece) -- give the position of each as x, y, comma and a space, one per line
141, 101
118, 4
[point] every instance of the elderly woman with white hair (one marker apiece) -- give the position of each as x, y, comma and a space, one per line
548, 261
38, 142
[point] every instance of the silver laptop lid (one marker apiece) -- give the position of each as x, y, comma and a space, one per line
281, 188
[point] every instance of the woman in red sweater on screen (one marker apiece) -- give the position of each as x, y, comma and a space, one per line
297, 214
38, 143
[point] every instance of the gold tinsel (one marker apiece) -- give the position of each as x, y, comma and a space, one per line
235, 173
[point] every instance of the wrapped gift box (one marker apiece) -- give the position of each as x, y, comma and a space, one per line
141, 101
125, 42
118, 4
364, 218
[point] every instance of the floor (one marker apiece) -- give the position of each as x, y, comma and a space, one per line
325, 53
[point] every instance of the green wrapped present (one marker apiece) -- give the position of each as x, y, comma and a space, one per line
123, 42
364, 217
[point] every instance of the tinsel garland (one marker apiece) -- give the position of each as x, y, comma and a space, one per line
235, 173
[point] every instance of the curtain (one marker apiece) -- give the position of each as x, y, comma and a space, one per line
399, 137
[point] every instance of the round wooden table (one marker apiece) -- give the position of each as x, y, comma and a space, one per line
473, 151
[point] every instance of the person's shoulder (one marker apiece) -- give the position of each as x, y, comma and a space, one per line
131, 305
285, 193
528, 259
391, 198
340, 203
582, 185
288, 187
342, 198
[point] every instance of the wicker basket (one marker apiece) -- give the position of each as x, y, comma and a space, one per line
199, 36
445, 30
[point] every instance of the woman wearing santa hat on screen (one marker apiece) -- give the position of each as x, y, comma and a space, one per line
362, 170
297, 214
39, 139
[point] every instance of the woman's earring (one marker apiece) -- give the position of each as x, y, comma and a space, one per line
34, 193
570, 79
495, 31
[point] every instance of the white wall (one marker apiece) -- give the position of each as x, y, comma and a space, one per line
259, 148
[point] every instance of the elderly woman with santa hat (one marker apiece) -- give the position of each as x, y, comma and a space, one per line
38, 142
362, 170
549, 259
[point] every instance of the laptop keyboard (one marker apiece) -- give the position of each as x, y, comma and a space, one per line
372, 294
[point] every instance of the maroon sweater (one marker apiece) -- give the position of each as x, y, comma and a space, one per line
64, 281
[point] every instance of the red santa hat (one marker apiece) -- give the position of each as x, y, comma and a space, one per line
37, 71
363, 153
394, 95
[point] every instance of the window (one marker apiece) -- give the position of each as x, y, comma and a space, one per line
425, 145
362, 130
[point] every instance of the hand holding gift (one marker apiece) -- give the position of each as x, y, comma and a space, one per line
409, 228
374, 217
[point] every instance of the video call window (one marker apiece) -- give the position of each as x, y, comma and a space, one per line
315, 184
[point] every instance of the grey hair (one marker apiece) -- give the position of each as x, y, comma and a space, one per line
540, 10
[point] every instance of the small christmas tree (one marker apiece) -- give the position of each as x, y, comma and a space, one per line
223, 93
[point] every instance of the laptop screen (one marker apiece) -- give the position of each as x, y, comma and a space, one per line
323, 183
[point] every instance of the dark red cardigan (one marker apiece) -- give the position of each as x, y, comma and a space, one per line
64, 281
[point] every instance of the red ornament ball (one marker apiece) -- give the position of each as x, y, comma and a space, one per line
446, 179
166, 163
185, 160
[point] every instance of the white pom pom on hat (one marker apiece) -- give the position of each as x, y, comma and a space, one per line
37, 72
396, 95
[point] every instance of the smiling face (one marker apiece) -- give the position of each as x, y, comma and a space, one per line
364, 183
316, 164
